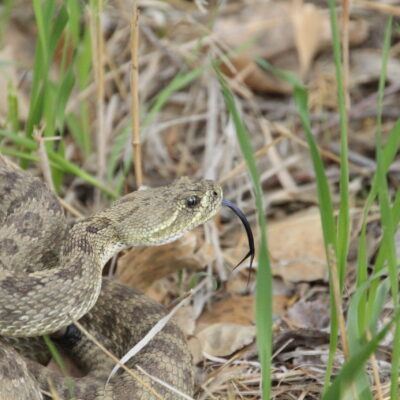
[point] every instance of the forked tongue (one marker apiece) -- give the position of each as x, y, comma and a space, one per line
249, 233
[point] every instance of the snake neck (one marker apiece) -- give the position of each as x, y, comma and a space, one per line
93, 238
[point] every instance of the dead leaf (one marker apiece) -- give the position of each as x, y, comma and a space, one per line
222, 339
297, 248
307, 25
291, 339
185, 319
279, 304
160, 289
196, 350
235, 309
310, 314
323, 88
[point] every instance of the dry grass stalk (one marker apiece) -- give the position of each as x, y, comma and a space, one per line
136, 143
98, 65
53, 392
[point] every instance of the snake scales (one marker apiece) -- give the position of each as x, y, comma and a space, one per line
50, 274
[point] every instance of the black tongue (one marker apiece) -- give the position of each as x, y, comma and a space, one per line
249, 232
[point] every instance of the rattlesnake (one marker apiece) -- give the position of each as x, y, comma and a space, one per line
50, 275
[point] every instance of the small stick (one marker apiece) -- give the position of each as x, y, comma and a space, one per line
72, 210
136, 144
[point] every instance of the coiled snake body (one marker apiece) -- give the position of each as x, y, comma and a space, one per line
50, 275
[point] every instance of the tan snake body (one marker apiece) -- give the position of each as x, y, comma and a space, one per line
50, 275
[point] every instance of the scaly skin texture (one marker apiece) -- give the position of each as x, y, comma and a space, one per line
50, 274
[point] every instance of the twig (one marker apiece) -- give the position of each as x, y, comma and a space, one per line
72, 210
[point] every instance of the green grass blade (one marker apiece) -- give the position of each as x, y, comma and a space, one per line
74, 10
62, 97
380, 266
324, 196
59, 361
264, 276
362, 276
389, 152
83, 64
56, 29
386, 214
5, 14
18, 154
41, 25
351, 369
343, 227
13, 108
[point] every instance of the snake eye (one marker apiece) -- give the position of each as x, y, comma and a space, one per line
215, 193
192, 201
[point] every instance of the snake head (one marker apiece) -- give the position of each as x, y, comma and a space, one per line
161, 215
198, 200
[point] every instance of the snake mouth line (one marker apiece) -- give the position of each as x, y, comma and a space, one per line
249, 232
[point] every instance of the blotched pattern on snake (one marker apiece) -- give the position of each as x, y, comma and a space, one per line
51, 274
